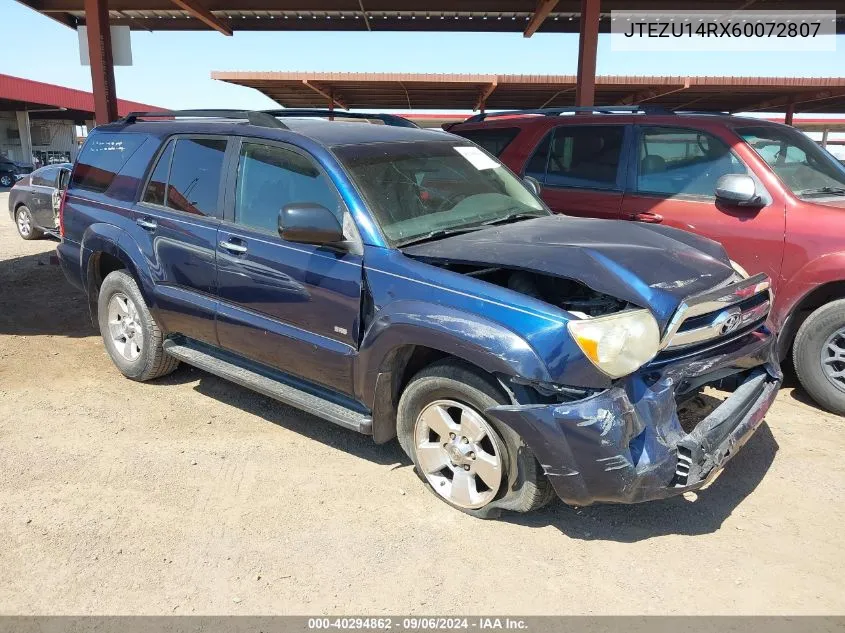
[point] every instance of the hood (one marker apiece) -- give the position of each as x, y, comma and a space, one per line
837, 202
654, 267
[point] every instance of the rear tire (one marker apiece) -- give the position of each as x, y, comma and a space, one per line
452, 396
131, 335
26, 224
818, 354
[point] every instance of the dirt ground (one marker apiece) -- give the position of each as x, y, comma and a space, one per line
192, 495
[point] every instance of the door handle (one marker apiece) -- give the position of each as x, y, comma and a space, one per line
147, 223
234, 247
647, 216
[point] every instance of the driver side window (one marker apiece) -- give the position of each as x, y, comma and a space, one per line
681, 162
270, 177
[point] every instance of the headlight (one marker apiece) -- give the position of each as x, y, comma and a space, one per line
620, 343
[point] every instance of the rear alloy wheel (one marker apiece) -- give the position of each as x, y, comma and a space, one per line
819, 356
6, 180
124, 326
25, 224
459, 454
130, 333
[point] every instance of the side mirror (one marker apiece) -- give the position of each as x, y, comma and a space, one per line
737, 189
309, 223
533, 185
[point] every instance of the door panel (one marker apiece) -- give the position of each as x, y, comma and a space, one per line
41, 197
295, 307
176, 225
673, 183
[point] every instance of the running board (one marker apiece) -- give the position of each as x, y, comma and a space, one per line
281, 388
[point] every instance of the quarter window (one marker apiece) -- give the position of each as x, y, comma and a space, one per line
103, 156
494, 140
271, 177
683, 162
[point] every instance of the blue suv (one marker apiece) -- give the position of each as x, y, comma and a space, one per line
402, 283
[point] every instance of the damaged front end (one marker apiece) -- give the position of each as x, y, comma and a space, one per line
659, 431
628, 444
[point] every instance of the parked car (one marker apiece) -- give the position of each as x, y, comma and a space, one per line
767, 192
34, 201
10, 171
401, 282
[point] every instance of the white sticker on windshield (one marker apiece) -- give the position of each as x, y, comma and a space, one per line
479, 159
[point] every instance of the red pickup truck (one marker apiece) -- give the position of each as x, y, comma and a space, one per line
767, 192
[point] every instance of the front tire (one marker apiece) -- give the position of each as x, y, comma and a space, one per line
131, 335
819, 356
25, 224
468, 460
6, 180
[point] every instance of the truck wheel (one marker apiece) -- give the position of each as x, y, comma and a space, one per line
25, 224
819, 356
470, 461
132, 338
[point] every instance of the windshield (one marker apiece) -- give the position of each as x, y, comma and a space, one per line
807, 169
419, 190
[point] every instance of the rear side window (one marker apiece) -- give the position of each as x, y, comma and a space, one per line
157, 187
45, 177
585, 156
103, 156
187, 176
494, 140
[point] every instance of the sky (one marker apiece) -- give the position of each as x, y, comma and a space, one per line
173, 69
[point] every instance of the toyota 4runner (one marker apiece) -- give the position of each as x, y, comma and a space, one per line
403, 282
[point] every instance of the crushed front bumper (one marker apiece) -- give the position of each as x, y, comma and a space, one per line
627, 445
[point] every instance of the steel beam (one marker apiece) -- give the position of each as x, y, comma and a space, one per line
588, 41
102, 64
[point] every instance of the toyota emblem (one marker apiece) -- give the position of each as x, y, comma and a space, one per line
732, 323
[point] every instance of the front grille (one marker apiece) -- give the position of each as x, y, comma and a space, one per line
718, 315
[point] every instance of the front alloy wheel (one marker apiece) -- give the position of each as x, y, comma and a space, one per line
458, 453
6, 180
833, 359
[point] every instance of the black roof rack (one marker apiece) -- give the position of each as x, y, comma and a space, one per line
254, 117
387, 119
572, 109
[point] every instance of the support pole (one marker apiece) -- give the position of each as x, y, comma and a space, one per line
790, 111
102, 64
25, 133
588, 42
824, 137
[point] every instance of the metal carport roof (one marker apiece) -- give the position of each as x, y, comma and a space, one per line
472, 92
544, 16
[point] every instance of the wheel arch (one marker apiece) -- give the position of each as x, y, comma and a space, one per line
407, 337
106, 248
803, 307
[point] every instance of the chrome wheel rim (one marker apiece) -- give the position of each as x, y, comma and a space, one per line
125, 327
24, 223
833, 359
458, 453
6, 181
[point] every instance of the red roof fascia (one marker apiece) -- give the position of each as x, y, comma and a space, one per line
19, 89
